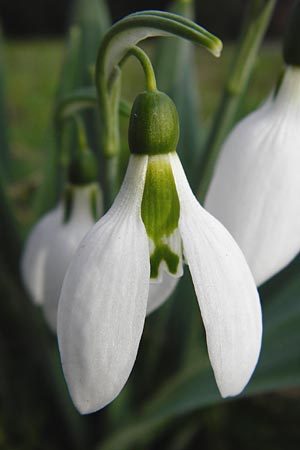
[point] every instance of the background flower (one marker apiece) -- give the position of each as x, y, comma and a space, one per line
255, 190
51, 246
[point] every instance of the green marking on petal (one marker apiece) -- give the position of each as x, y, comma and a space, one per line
160, 204
160, 212
163, 252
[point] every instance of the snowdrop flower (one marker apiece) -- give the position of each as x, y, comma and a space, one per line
255, 190
55, 238
154, 226
52, 244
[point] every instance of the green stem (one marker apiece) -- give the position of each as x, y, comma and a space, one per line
146, 65
241, 69
116, 43
114, 46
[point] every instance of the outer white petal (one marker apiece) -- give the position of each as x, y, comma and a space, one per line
104, 297
161, 291
62, 248
36, 251
225, 289
50, 248
255, 191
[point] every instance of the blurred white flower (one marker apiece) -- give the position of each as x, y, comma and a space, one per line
255, 190
104, 297
52, 244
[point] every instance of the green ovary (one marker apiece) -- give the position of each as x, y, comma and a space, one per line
160, 213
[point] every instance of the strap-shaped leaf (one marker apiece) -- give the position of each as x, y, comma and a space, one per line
93, 19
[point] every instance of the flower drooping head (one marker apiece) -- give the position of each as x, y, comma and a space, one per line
154, 225
55, 238
255, 190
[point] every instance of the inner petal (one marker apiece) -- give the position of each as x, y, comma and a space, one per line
166, 255
160, 214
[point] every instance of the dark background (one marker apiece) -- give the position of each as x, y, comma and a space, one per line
21, 18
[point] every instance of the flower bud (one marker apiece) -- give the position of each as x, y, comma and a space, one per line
154, 125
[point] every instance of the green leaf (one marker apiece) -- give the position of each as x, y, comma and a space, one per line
194, 387
93, 19
279, 365
70, 71
89, 23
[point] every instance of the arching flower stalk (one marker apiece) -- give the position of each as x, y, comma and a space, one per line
154, 226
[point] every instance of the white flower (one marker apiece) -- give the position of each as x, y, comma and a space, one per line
52, 244
104, 298
255, 190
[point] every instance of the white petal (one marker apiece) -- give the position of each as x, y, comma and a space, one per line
36, 251
50, 248
255, 191
161, 291
225, 289
104, 297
